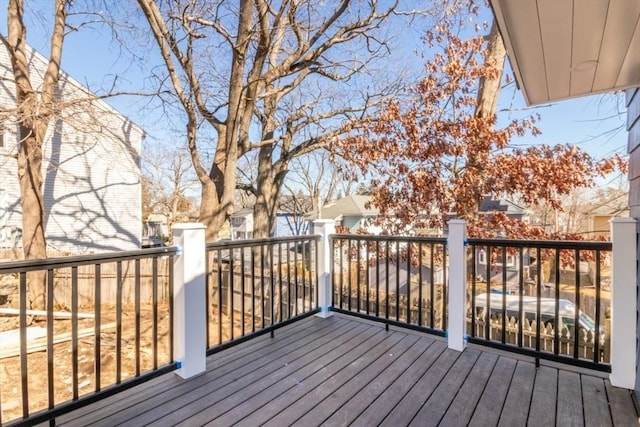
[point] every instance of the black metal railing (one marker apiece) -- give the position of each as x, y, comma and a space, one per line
106, 325
255, 286
396, 280
548, 299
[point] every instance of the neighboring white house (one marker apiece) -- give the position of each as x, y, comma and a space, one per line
242, 224
91, 169
351, 212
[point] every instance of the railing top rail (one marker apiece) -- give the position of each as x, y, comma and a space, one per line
547, 244
267, 240
370, 237
71, 261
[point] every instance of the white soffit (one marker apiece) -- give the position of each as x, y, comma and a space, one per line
562, 49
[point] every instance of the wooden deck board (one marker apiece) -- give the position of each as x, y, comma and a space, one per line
516, 406
341, 394
352, 408
489, 408
461, 409
378, 409
216, 389
623, 410
411, 403
224, 373
232, 405
542, 411
345, 371
594, 401
323, 383
231, 360
277, 397
437, 404
570, 402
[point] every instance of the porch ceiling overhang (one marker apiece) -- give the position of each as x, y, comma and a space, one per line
562, 49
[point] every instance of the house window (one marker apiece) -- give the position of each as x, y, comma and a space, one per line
237, 221
499, 260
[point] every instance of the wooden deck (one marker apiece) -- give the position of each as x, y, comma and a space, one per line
344, 371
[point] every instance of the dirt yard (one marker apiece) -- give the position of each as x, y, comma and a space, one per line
10, 377
37, 377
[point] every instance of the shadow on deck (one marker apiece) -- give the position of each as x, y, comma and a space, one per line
345, 371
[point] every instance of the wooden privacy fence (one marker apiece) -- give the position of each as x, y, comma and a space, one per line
111, 275
370, 301
252, 292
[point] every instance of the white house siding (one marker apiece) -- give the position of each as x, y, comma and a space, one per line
91, 170
633, 125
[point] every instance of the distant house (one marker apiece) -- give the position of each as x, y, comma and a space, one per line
491, 268
155, 230
350, 212
489, 206
397, 280
599, 218
291, 215
242, 224
290, 220
91, 169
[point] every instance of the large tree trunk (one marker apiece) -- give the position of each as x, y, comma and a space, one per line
210, 214
33, 213
486, 101
35, 111
266, 206
489, 88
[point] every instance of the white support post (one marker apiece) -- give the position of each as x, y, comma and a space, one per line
325, 228
457, 284
189, 307
623, 303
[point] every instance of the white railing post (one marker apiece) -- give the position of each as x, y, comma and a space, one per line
623, 302
189, 307
457, 284
325, 228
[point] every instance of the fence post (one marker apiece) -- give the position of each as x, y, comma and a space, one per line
623, 302
325, 228
189, 308
457, 284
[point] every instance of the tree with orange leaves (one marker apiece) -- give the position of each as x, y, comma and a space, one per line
439, 156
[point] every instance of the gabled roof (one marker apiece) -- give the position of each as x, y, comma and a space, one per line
347, 206
616, 207
242, 213
501, 205
38, 64
570, 48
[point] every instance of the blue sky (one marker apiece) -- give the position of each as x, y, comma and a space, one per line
91, 57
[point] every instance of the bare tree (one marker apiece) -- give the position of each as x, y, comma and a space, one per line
309, 99
169, 177
257, 75
183, 31
35, 111
318, 177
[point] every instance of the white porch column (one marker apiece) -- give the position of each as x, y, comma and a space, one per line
325, 228
623, 303
189, 307
457, 284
